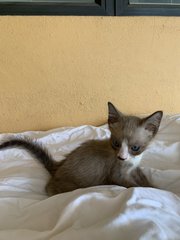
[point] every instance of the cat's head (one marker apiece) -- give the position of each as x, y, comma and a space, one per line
131, 135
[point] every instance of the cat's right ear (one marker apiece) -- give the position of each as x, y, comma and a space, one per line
113, 114
152, 122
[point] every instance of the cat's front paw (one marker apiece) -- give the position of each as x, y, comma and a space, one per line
140, 178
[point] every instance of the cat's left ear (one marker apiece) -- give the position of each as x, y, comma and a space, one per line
152, 122
113, 114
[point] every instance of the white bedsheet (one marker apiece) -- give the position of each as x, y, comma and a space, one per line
102, 212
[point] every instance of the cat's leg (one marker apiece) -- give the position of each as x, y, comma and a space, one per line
55, 186
123, 181
140, 178
122, 175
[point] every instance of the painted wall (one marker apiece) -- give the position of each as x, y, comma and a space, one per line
61, 71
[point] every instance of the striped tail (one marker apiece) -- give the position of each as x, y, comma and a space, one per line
35, 149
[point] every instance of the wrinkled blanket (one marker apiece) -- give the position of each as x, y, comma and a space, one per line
102, 212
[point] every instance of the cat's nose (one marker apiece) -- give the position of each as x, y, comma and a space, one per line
123, 152
120, 158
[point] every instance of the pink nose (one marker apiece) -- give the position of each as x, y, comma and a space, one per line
120, 158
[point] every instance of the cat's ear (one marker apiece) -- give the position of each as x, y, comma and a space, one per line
113, 114
152, 122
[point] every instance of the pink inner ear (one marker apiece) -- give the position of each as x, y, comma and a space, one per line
151, 127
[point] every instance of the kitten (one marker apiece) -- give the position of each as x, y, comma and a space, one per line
99, 162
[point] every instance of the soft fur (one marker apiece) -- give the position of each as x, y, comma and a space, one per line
99, 162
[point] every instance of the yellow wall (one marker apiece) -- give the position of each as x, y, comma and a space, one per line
61, 71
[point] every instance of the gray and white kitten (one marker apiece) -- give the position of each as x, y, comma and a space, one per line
99, 162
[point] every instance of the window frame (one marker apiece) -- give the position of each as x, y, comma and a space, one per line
123, 8
99, 8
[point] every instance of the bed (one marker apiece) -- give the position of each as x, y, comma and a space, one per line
101, 212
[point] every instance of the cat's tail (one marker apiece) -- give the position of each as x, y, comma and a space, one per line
35, 149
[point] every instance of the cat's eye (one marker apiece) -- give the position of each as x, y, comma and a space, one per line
135, 148
116, 144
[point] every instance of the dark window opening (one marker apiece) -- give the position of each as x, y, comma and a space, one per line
91, 7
